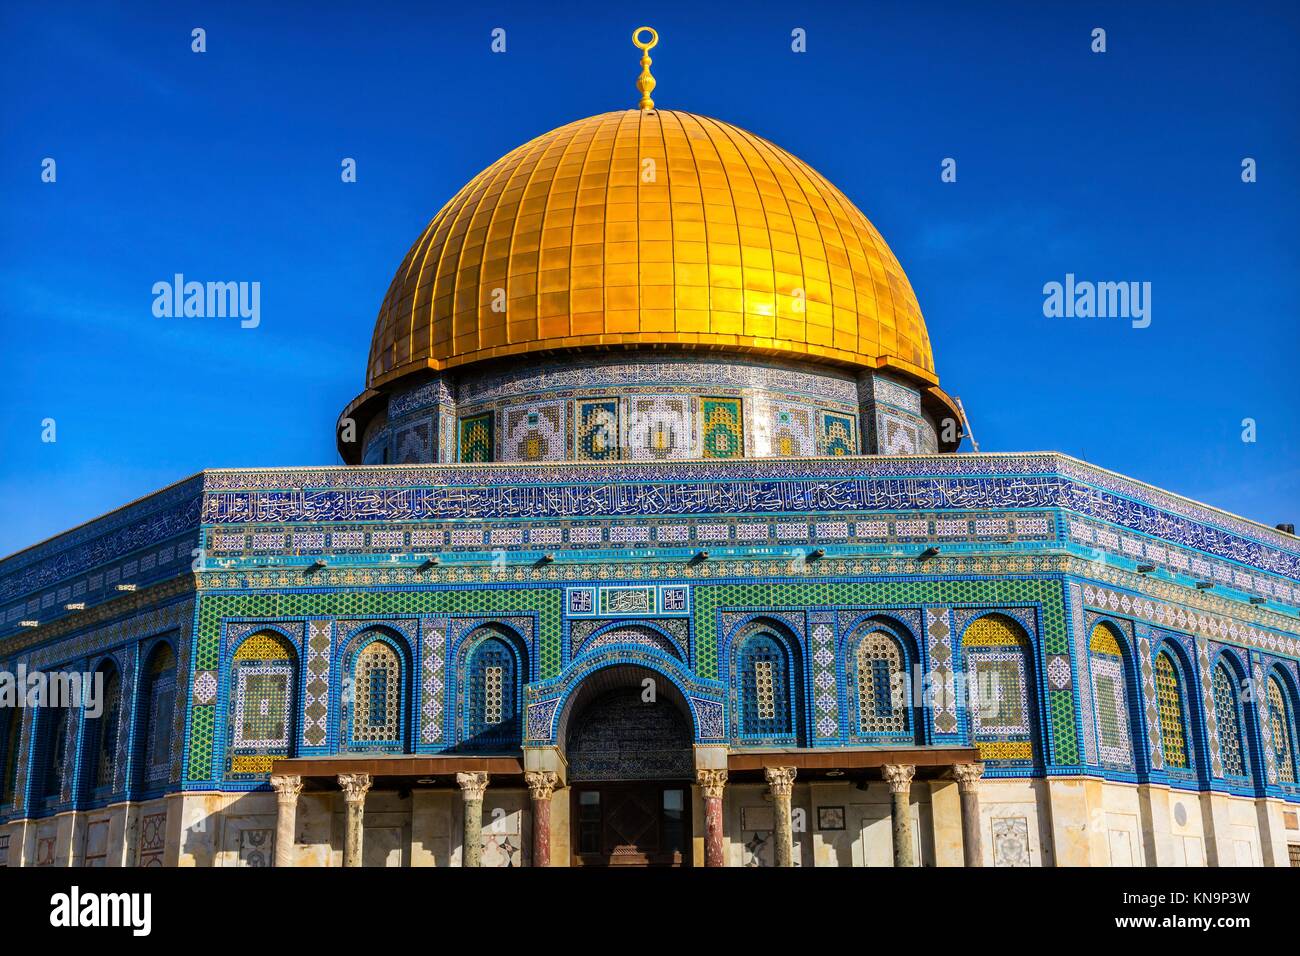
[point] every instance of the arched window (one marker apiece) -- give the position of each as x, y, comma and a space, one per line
13, 730
1169, 708
997, 666
56, 736
492, 695
101, 737
261, 724
1110, 692
1281, 721
377, 695
1227, 717
159, 699
764, 682
882, 699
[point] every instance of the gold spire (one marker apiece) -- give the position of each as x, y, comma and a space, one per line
645, 82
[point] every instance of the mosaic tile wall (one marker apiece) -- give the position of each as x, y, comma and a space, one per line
623, 588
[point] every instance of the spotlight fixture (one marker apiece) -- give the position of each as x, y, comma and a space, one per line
1146, 568
544, 560
126, 587
1258, 600
432, 561
317, 565
834, 773
78, 606
1204, 585
698, 558
29, 623
816, 554
426, 781
928, 553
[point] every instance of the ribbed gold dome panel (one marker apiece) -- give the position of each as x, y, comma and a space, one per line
639, 228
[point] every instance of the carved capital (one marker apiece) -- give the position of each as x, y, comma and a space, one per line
355, 786
968, 776
711, 782
472, 785
780, 780
286, 786
541, 783
898, 776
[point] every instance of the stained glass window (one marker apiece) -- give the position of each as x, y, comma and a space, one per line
1226, 717
376, 708
880, 668
764, 698
1169, 706
493, 707
1281, 725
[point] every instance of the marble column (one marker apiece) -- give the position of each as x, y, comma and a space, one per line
472, 786
355, 786
780, 781
968, 776
541, 784
286, 787
899, 778
712, 783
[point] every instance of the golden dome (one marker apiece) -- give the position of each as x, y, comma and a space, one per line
649, 228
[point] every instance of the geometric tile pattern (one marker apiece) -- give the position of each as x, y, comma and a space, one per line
433, 632
938, 633
315, 731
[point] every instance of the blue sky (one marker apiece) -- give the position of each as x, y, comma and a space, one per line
225, 165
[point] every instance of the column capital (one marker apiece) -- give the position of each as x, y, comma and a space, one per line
287, 786
968, 776
355, 786
780, 779
711, 782
541, 783
472, 785
898, 776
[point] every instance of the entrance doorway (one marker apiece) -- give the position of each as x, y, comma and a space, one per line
629, 824
628, 740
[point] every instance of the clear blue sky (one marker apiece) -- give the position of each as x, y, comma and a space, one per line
225, 165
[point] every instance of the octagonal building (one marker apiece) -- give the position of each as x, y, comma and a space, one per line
653, 547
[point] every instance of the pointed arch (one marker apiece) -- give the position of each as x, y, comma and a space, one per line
879, 659
262, 685
1230, 721
495, 665
374, 714
999, 676
1172, 711
766, 684
99, 755
157, 717
56, 731
1280, 710
1115, 712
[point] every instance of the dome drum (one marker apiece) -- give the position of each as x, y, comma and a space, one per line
644, 406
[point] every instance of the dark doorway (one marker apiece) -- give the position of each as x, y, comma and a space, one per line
628, 740
631, 824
